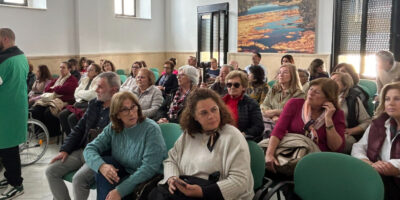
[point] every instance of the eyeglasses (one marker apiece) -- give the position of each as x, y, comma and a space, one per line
126, 111
236, 85
135, 67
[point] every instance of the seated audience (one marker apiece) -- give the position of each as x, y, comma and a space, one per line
192, 61
318, 117
58, 92
43, 77
85, 92
256, 58
388, 69
149, 96
213, 71
235, 65
304, 76
168, 81
173, 105
137, 149
74, 68
144, 65
218, 170
70, 156
316, 69
380, 144
285, 88
356, 89
245, 111
174, 71
30, 79
357, 118
131, 80
257, 89
108, 66
219, 85
82, 65
287, 59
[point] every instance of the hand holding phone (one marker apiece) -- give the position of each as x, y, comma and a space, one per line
181, 182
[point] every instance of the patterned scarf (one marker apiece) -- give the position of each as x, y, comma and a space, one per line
311, 126
60, 81
177, 103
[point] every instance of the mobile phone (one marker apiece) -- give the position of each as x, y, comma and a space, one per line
181, 183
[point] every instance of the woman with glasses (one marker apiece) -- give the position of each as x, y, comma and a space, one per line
150, 97
131, 80
211, 160
245, 111
380, 144
174, 103
286, 87
168, 81
137, 149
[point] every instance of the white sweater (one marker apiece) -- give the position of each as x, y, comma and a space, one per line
86, 95
230, 156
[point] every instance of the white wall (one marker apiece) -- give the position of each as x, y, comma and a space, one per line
181, 30
74, 27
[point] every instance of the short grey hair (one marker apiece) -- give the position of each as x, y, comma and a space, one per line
304, 71
386, 56
112, 79
229, 66
7, 33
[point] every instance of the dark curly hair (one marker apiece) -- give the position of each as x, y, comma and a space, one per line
258, 74
189, 124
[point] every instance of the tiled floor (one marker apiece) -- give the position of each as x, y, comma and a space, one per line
35, 183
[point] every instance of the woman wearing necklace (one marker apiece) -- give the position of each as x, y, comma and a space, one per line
211, 159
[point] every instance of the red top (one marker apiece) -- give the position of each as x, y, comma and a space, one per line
232, 104
290, 121
66, 90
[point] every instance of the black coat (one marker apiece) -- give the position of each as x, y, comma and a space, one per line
170, 85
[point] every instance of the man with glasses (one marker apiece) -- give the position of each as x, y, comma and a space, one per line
70, 157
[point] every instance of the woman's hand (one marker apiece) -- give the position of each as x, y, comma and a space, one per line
113, 195
187, 189
386, 168
330, 110
270, 113
110, 173
160, 87
162, 121
171, 184
271, 162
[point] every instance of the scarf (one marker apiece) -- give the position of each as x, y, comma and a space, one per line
177, 104
313, 125
60, 81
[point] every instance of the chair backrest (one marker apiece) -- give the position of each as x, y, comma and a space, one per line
333, 176
257, 163
371, 85
171, 132
123, 78
271, 83
155, 70
120, 72
156, 74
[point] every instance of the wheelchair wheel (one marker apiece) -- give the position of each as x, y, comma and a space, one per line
37, 141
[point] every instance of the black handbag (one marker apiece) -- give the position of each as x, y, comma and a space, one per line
142, 190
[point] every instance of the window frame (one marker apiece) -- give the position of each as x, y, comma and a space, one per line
122, 9
25, 4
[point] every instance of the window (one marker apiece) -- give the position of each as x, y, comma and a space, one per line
14, 2
362, 28
125, 7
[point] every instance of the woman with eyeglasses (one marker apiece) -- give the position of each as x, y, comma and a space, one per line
150, 97
211, 160
380, 144
168, 81
131, 80
245, 111
286, 87
137, 149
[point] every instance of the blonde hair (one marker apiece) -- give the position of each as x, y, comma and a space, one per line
244, 81
346, 80
294, 83
115, 108
381, 108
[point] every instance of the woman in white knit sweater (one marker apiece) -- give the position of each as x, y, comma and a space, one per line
211, 160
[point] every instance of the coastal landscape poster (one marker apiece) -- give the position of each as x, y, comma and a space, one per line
276, 26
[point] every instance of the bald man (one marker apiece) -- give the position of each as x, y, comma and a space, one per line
14, 69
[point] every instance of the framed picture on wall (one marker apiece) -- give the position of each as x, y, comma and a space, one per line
277, 26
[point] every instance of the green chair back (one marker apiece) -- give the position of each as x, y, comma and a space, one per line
333, 176
257, 163
55, 76
271, 83
68, 177
120, 72
155, 70
371, 85
171, 132
123, 78
156, 74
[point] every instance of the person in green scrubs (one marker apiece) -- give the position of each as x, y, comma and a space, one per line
13, 112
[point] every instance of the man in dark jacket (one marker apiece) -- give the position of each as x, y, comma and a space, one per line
70, 157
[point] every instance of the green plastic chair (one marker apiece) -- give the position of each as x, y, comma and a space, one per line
155, 70
55, 76
257, 163
123, 78
120, 72
68, 177
271, 83
171, 132
156, 74
371, 85
333, 176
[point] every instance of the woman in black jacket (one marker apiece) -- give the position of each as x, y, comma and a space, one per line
168, 81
